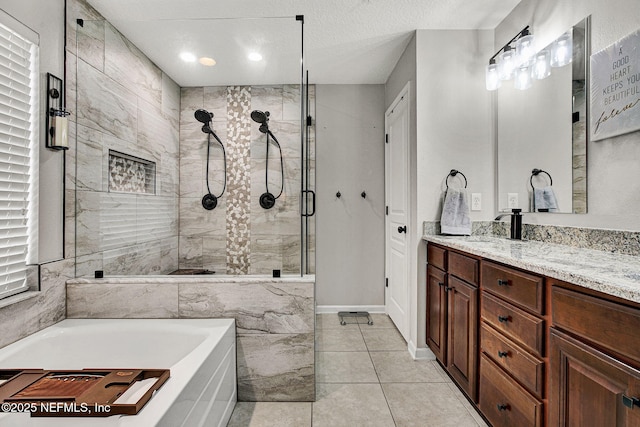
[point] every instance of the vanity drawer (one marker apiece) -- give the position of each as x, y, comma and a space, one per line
464, 267
437, 257
605, 323
527, 369
523, 289
513, 322
504, 402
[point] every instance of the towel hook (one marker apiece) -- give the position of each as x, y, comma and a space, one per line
363, 195
537, 172
455, 172
338, 194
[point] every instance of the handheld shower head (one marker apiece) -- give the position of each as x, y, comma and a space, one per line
203, 116
260, 117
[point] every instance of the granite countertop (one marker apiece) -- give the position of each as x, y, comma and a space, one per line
606, 272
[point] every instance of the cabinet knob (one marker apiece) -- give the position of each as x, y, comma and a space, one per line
440, 284
502, 282
503, 407
447, 289
630, 402
503, 353
503, 319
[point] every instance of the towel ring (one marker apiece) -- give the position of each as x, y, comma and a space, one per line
454, 173
537, 172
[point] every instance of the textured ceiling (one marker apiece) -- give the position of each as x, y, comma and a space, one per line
346, 41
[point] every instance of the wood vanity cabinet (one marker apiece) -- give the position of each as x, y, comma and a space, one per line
595, 360
452, 301
512, 343
534, 350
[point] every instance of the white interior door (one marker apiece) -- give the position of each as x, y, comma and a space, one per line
397, 212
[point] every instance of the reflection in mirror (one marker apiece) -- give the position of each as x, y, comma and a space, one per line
543, 128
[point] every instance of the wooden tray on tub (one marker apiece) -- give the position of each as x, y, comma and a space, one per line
78, 393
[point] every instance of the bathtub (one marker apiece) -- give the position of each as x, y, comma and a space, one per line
201, 354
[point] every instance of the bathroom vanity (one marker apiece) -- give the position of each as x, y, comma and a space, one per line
534, 333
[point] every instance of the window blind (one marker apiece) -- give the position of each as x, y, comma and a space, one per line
18, 124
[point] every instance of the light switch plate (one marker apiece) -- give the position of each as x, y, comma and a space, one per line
476, 201
512, 200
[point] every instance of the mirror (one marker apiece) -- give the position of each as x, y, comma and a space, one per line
542, 137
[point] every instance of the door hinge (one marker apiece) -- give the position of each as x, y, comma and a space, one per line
386, 138
386, 210
386, 282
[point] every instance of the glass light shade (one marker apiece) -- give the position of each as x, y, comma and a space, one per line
525, 50
542, 66
492, 79
506, 64
562, 50
522, 79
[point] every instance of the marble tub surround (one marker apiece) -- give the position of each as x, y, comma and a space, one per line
610, 273
274, 321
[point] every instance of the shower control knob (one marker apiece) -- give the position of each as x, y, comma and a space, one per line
402, 229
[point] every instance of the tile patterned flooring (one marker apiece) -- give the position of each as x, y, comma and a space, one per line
365, 377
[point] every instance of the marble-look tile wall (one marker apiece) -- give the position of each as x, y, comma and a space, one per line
274, 322
45, 308
239, 236
125, 103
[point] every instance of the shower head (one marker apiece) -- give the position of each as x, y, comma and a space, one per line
203, 116
260, 117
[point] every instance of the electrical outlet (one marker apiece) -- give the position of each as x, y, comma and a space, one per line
476, 201
512, 200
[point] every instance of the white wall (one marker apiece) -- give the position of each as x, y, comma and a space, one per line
350, 229
453, 130
46, 307
613, 175
46, 19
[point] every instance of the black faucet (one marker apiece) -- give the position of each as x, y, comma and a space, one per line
516, 223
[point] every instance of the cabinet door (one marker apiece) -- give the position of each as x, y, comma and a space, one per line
437, 312
590, 388
462, 332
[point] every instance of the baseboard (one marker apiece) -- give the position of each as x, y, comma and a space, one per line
420, 353
324, 309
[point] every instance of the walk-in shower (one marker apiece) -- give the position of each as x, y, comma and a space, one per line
209, 201
142, 213
267, 199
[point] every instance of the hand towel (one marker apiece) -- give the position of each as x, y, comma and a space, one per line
544, 198
455, 213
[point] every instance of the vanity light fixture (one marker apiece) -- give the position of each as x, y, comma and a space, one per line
508, 59
522, 79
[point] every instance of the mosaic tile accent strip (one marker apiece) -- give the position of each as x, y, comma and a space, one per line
238, 179
129, 174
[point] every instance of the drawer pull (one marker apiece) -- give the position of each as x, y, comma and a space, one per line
503, 353
630, 402
502, 282
503, 319
440, 284
503, 407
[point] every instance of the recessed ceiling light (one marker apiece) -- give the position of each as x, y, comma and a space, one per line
209, 62
255, 56
188, 57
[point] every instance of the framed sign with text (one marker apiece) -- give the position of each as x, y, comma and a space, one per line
615, 88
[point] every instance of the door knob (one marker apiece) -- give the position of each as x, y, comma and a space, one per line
402, 229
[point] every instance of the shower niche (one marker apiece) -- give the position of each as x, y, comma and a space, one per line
143, 164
